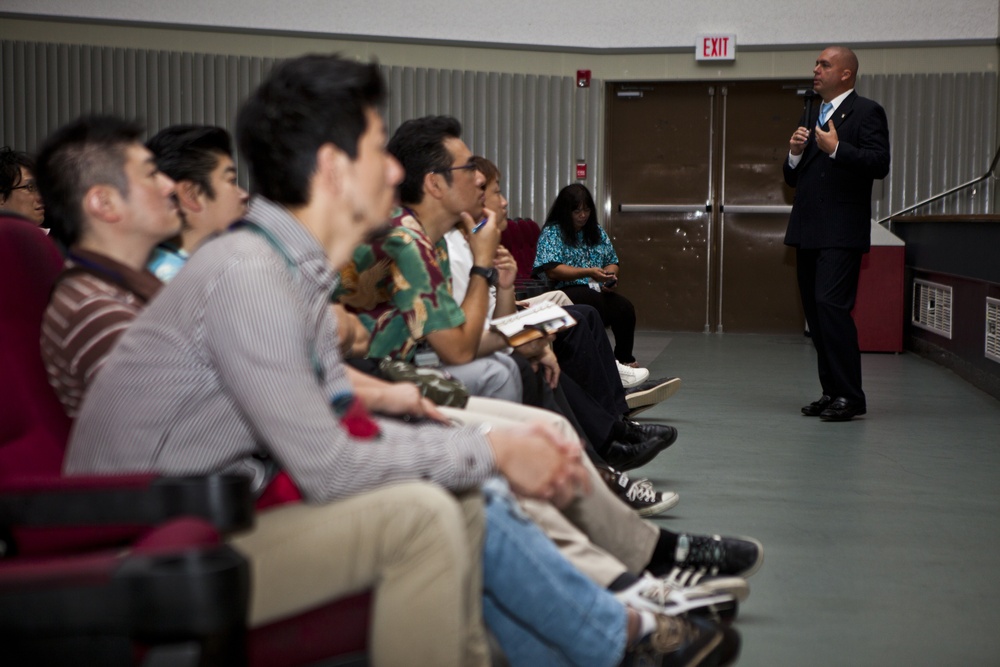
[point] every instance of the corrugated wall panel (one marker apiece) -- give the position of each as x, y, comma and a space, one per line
943, 133
527, 124
535, 127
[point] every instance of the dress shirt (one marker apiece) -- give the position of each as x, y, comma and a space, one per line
793, 160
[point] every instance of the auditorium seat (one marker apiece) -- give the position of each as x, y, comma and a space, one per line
521, 239
122, 570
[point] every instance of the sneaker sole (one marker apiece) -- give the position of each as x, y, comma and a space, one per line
650, 397
670, 499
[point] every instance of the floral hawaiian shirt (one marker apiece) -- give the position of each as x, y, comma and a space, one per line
400, 288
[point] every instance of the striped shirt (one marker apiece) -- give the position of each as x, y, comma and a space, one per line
87, 313
237, 360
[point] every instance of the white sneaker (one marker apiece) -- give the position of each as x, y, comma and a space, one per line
631, 377
697, 581
656, 595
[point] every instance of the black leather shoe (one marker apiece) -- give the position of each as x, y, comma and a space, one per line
842, 410
816, 407
636, 432
625, 456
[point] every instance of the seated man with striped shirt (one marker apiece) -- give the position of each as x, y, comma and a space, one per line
109, 204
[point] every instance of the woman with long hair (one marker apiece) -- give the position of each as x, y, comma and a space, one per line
576, 253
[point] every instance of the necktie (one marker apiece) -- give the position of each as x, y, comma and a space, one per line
825, 110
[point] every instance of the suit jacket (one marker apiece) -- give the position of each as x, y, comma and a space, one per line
832, 206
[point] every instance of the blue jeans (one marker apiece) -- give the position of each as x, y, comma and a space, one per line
540, 608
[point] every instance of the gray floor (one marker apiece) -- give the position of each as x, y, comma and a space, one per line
882, 535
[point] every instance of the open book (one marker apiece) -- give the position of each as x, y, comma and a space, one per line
539, 320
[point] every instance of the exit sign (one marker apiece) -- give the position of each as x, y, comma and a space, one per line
715, 47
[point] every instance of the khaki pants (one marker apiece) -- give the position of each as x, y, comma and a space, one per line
598, 533
417, 545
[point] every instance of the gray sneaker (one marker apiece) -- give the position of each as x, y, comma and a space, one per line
649, 393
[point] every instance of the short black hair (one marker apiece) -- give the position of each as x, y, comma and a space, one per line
304, 103
418, 144
12, 163
191, 153
86, 152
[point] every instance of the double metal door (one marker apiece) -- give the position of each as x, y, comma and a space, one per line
697, 206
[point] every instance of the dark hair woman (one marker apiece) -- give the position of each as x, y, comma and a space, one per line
575, 252
18, 191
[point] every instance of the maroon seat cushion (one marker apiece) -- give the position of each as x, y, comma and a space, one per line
33, 426
521, 239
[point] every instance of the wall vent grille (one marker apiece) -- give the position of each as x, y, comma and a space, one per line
932, 307
993, 329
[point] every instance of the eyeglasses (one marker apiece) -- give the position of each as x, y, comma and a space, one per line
30, 186
470, 166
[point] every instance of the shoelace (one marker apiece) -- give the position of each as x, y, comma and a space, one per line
642, 491
707, 552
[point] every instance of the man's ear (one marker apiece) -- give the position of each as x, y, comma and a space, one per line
332, 166
190, 195
103, 201
434, 185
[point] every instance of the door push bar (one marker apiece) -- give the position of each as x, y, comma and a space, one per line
702, 208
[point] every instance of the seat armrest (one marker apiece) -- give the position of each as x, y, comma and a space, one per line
144, 500
178, 586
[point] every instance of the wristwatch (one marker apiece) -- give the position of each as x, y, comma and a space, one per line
491, 274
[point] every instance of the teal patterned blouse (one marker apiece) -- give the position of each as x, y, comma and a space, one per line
552, 250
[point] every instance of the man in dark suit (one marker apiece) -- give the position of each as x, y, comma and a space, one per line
834, 157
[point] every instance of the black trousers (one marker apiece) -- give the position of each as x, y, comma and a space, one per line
616, 312
584, 354
590, 421
828, 283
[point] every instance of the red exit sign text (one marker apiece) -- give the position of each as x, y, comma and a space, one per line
715, 47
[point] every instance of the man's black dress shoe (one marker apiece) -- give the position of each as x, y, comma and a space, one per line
626, 456
816, 407
635, 433
841, 410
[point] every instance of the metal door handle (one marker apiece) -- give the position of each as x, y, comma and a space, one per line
665, 208
754, 208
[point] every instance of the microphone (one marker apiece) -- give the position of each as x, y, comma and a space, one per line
810, 95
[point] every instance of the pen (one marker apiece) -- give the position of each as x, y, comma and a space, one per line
479, 225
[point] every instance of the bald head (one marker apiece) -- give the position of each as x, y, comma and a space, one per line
835, 72
848, 60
